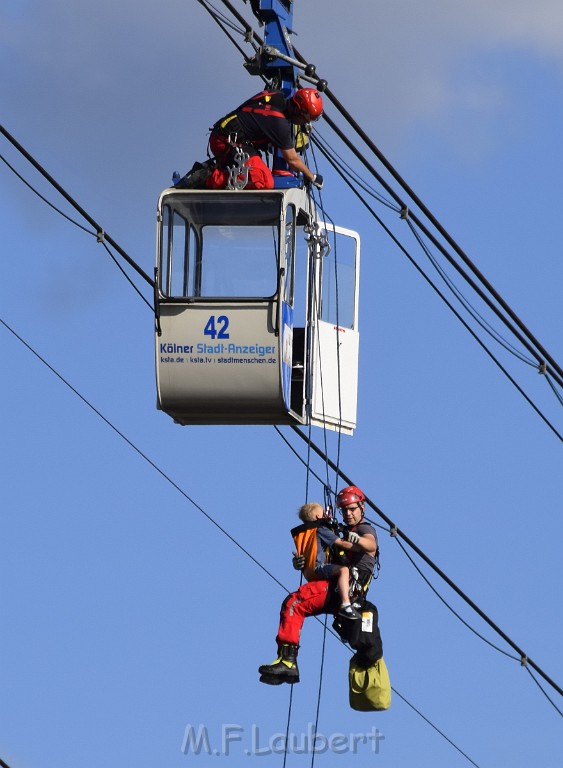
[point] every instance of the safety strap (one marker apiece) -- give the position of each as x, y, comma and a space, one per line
264, 111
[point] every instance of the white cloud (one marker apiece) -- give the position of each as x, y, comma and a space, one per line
155, 76
451, 65
537, 26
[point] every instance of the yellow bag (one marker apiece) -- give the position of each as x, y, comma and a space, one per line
370, 687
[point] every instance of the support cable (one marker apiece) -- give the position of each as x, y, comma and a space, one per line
48, 202
141, 454
445, 300
296, 454
305, 463
192, 502
541, 356
418, 712
126, 276
449, 607
524, 663
219, 18
252, 36
249, 32
100, 235
544, 355
76, 206
395, 531
554, 389
479, 319
330, 154
140, 271
318, 139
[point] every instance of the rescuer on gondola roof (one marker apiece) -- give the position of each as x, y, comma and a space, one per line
264, 121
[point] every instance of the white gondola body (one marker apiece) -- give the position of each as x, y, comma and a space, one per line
247, 303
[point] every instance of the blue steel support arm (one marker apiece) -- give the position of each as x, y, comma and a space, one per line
277, 17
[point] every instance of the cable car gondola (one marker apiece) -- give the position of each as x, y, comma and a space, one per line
256, 307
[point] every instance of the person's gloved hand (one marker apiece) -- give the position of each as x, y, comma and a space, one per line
298, 561
317, 181
353, 537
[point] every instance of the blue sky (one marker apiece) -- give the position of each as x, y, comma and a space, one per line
127, 616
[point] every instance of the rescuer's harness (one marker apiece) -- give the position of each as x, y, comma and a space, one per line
306, 546
231, 127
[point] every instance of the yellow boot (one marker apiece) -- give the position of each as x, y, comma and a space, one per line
284, 669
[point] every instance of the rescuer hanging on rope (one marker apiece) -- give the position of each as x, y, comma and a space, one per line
237, 140
318, 596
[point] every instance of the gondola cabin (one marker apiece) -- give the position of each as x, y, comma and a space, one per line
256, 310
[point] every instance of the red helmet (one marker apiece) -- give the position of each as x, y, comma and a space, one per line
308, 102
350, 495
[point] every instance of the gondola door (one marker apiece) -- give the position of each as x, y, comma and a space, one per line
335, 335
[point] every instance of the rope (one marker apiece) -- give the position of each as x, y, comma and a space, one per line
499, 365
527, 339
75, 205
395, 531
449, 607
313, 751
184, 494
48, 202
289, 708
431, 724
337, 343
468, 306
